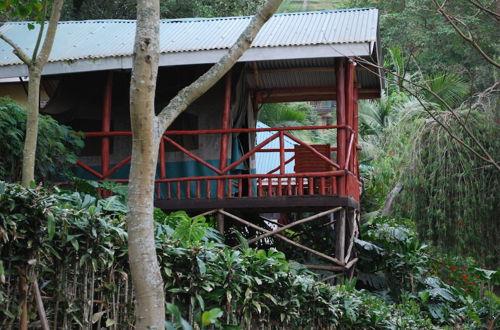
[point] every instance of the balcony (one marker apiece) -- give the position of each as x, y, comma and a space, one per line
305, 177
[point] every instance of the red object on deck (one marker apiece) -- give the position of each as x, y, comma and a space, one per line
307, 161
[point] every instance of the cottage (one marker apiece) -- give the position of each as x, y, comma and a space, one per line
207, 157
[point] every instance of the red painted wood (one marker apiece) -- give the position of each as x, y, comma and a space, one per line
208, 188
118, 166
301, 186
198, 189
296, 89
219, 131
169, 191
282, 152
226, 114
250, 153
314, 151
240, 187
277, 168
349, 150
341, 120
349, 92
188, 189
190, 154
310, 185
178, 190
106, 123
163, 164
89, 169
230, 188
288, 150
322, 186
250, 190
355, 127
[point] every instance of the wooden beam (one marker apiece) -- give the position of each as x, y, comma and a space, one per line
249, 224
340, 236
295, 223
262, 204
226, 117
341, 120
298, 70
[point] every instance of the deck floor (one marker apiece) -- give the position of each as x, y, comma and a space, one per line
260, 204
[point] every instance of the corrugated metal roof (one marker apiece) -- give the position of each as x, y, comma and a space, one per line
114, 38
268, 161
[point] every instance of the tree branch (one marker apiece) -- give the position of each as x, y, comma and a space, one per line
192, 92
51, 33
487, 157
483, 8
40, 33
17, 50
469, 39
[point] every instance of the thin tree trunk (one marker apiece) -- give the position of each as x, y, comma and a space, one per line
23, 299
29, 152
386, 209
145, 270
35, 66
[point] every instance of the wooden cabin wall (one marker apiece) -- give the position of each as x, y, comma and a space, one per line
78, 102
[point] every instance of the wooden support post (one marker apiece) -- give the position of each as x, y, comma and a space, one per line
106, 123
163, 166
226, 115
349, 92
220, 223
341, 120
340, 236
351, 236
355, 126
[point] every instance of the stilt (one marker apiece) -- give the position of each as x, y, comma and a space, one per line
340, 236
225, 124
220, 223
351, 235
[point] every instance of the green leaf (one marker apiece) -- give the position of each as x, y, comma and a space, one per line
257, 305
51, 226
110, 322
97, 316
201, 266
75, 244
209, 317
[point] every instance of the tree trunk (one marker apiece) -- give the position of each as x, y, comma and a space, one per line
144, 267
35, 67
29, 151
147, 131
386, 209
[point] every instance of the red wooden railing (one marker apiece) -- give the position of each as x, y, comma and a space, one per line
276, 182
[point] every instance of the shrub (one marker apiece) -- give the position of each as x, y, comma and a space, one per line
57, 145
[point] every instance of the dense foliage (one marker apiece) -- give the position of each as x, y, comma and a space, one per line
431, 44
74, 246
397, 267
57, 147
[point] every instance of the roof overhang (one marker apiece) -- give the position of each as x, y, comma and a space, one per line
196, 57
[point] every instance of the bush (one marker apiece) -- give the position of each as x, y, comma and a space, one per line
394, 264
74, 245
57, 145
